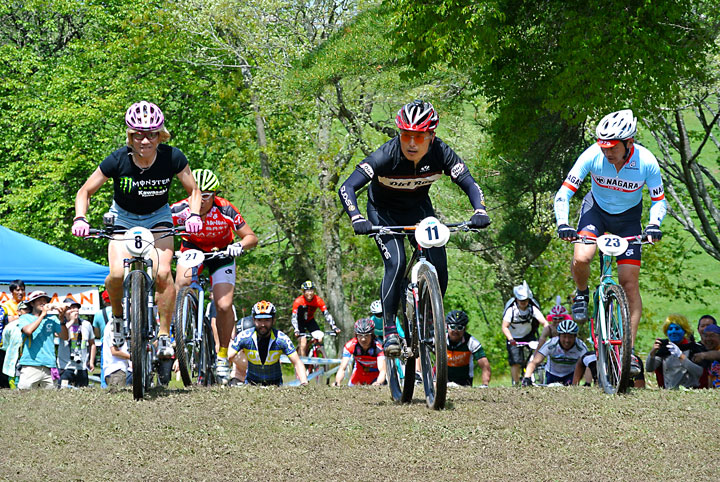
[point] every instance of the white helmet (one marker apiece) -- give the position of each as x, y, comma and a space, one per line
376, 307
617, 126
522, 292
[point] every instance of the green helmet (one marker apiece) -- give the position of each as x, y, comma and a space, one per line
206, 179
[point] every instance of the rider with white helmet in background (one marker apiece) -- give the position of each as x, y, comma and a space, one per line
521, 319
563, 353
619, 168
222, 222
142, 172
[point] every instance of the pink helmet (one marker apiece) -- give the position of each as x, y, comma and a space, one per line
558, 310
144, 116
417, 116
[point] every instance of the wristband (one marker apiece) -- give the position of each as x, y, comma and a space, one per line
77, 218
193, 214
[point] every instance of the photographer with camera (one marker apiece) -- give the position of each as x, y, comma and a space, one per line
670, 357
76, 355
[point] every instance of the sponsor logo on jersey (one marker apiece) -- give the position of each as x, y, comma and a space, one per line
408, 184
657, 193
457, 169
383, 248
126, 184
631, 165
573, 180
367, 169
346, 199
424, 168
617, 184
630, 252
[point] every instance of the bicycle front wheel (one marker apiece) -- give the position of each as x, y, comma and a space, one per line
183, 328
206, 370
433, 340
138, 328
614, 342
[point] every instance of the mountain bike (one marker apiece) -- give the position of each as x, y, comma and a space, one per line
194, 340
316, 350
423, 318
611, 332
139, 324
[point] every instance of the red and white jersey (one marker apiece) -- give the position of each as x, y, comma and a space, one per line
219, 223
365, 371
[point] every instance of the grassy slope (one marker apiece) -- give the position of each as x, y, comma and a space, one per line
320, 433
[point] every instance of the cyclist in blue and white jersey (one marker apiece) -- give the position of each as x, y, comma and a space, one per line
563, 353
619, 169
263, 345
400, 174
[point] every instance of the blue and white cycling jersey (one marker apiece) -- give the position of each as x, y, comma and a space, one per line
615, 192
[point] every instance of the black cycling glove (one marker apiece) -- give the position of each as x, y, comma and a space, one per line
361, 225
480, 220
527, 382
565, 232
653, 231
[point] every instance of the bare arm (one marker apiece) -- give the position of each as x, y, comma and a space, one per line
532, 364
299, 368
579, 372
382, 369
188, 182
506, 330
484, 365
118, 353
248, 239
93, 354
340, 375
82, 198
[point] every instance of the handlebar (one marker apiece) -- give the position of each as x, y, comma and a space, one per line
108, 232
637, 239
408, 230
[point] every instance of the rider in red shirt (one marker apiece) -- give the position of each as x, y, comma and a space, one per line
221, 222
369, 367
303, 316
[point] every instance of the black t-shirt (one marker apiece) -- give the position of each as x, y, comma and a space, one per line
397, 184
143, 192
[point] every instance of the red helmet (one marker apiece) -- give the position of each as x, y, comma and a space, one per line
417, 116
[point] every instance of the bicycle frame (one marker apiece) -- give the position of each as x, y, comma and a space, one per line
600, 298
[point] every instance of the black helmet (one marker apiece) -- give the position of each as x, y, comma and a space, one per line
457, 317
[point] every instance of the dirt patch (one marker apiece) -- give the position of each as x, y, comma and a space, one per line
320, 433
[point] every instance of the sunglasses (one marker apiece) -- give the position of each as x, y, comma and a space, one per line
418, 138
138, 136
207, 195
456, 327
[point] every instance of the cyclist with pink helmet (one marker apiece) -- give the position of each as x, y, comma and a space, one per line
400, 174
142, 172
557, 314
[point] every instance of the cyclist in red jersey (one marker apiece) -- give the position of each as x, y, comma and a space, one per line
303, 316
221, 222
369, 368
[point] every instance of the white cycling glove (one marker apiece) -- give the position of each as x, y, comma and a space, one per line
235, 249
674, 349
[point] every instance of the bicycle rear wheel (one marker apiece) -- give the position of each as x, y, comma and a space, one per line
206, 369
138, 328
613, 363
433, 340
184, 329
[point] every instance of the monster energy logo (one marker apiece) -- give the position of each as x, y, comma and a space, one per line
126, 184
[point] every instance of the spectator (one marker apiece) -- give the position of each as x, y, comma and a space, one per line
100, 320
563, 354
76, 355
38, 348
11, 342
670, 357
703, 322
116, 361
263, 346
369, 367
463, 351
710, 359
4, 382
17, 292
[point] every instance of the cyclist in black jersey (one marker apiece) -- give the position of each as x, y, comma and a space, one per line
400, 173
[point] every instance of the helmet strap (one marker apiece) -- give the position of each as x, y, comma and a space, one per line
627, 151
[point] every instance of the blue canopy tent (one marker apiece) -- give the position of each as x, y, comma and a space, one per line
37, 263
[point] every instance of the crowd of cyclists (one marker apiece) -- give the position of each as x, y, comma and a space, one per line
399, 174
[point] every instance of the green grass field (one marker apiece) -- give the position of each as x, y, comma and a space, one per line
321, 433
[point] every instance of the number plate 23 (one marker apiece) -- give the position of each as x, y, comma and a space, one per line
612, 245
